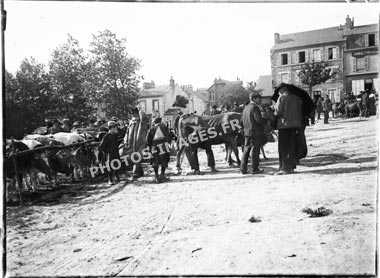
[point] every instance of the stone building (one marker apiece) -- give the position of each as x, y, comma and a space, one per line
341, 47
218, 89
361, 56
291, 51
264, 83
161, 98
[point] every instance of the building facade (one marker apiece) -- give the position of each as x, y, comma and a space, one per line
160, 99
331, 45
218, 89
264, 84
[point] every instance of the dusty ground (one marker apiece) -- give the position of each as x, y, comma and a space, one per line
199, 224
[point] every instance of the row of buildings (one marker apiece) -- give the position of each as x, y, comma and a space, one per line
351, 51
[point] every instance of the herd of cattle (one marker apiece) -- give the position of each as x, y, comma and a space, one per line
72, 154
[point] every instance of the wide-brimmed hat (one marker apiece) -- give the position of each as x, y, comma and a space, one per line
111, 124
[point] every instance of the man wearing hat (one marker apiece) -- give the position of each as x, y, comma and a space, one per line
157, 135
288, 110
110, 148
254, 136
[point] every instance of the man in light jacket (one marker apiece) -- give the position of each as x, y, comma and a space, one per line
288, 110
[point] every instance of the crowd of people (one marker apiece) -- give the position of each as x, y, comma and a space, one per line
285, 115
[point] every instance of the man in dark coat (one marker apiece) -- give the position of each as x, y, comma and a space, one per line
254, 136
157, 135
365, 104
288, 110
110, 147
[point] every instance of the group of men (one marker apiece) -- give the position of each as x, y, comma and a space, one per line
288, 119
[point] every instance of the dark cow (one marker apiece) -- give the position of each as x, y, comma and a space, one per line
352, 109
206, 131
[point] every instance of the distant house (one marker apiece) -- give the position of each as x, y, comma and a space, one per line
161, 98
264, 83
218, 89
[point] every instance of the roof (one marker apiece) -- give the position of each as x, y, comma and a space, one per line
203, 95
157, 91
223, 81
371, 28
321, 36
265, 83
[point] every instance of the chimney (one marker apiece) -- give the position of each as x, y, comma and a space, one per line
152, 83
172, 84
147, 85
276, 38
349, 22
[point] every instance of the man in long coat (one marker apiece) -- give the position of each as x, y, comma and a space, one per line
254, 136
288, 110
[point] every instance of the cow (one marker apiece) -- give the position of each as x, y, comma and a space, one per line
27, 164
207, 131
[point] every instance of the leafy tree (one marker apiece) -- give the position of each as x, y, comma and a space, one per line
68, 71
234, 93
180, 101
315, 73
112, 74
29, 96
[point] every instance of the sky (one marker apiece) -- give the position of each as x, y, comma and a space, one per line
192, 42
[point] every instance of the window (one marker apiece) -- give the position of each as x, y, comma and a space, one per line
284, 59
301, 57
332, 95
155, 105
284, 77
357, 86
360, 64
142, 105
371, 40
332, 53
317, 55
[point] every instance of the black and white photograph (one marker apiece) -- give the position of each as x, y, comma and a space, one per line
190, 138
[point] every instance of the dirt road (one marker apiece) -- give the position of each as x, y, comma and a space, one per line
199, 224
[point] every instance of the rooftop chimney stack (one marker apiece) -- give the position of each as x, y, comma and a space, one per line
172, 84
276, 37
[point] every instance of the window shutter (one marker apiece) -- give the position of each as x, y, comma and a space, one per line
337, 52
365, 40
295, 57
366, 62
327, 53
377, 39
353, 64
322, 54
307, 55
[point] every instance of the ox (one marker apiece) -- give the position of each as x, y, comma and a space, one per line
224, 130
27, 164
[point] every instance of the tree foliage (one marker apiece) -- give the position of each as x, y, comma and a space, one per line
76, 83
68, 71
315, 73
237, 93
114, 80
180, 101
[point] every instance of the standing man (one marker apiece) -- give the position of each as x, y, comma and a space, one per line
253, 125
365, 104
110, 147
288, 110
326, 105
157, 135
319, 107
